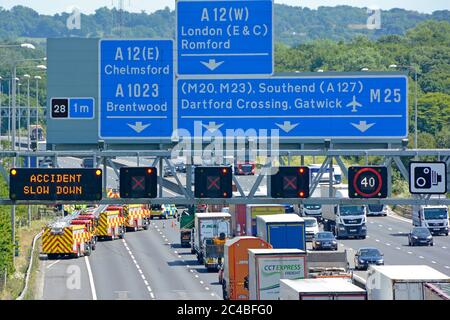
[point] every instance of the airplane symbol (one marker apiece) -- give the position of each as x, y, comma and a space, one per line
354, 104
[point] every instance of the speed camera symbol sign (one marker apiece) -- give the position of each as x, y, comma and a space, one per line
427, 177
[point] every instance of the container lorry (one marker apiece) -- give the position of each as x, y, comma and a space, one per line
435, 218
320, 289
211, 229
401, 282
312, 210
377, 210
243, 216
345, 221
282, 231
267, 266
235, 266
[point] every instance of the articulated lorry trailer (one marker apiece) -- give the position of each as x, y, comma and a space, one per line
345, 221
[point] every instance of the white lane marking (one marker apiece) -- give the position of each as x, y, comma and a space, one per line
341, 244
444, 247
388, 244
367, 236
176, 251
52, 264
91, 279
201, 282
206, 288
196, 275
180, 256
377, 240
380, 225
213, 294
139, 270
398, 248
187, 266
433, 261
421, 257
372, 222
447, 267
191, 271
409, 252
390, 229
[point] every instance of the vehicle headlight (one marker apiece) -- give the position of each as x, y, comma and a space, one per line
363, 227
341, 228
317, 242
415, 237
361, 261
334, 242
429, 237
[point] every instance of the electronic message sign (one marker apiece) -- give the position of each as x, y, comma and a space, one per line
55, 184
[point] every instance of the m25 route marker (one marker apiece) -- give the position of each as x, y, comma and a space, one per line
231, 37
344, 107
136, 89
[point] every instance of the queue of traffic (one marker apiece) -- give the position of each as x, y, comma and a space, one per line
260, 251
77, 233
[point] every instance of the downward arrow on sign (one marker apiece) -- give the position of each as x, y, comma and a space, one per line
212, 64
138, 126
287, 126
363, 126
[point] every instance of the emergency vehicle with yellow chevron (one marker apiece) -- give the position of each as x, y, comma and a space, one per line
68, 237
136, 216
111, 223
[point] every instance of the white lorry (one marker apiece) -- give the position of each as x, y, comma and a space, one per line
267, 266
320, 289
400, 282
377, 210
435, 218
210, 228
345, 221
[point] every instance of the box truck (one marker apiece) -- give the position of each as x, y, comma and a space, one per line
235, 266
267, 266
435, 218
211, 229
320, 289
400, 282
282, 231
243, 216
345, 221
186, 226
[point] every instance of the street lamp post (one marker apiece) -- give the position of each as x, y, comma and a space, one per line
37, 78
1, 104
413, 69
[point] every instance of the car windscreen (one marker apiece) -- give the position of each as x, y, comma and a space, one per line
437, 213
351, 210
369, 252
325, 235
156, 207
421, 231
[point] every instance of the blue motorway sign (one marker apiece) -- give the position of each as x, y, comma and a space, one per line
225, 37
136, 89
369, 106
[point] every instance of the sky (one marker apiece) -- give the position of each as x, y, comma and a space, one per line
89, 6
